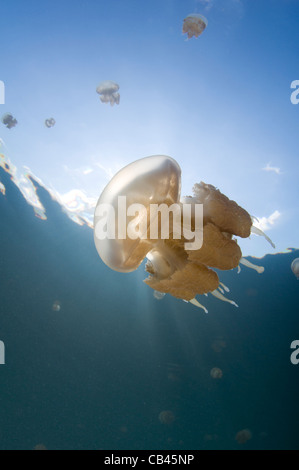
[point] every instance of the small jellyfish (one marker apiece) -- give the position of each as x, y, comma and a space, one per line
166, 417
56, 306
158, 295
295, 267
216, 373
50, 122
243, 436
194, 25
9, 121
108, 92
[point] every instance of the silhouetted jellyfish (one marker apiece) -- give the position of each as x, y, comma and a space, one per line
159, 295
175, 266
216, 373
166, 417
108, 92
50, 122
243, 436
56, 307
194, 25
295, 267
9, 121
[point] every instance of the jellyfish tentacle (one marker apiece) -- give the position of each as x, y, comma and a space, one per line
259, 232
197, 304
219, 296
224, 287
248, 264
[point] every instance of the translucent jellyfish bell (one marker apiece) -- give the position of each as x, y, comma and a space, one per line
295, 267
194, 25
108, 92
50, 122
151, 180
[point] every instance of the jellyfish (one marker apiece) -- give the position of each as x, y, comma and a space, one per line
50, 122
216, 373
9, 121
243, 436
295, 267
140, 215
108, 92
56, 307
194, 25
166, 417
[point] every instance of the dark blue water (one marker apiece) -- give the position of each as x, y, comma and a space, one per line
97, 373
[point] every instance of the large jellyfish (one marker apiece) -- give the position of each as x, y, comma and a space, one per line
295, 267
108, 92
140, 214
194, 25
9, 121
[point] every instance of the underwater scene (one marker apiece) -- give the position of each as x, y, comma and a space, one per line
149, 225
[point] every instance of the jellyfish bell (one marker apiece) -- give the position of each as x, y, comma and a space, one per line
108, 92
166, 417
151, 180
56, 307
295, 267
243, 436
146, 194
216, 373
194, 25
50, 122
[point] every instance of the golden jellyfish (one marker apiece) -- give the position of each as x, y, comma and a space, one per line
166, 417
194, 25
216, 373
140, 214
295, 267
108, 92
243, 436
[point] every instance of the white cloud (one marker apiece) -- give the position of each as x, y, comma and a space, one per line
275, 169
266, 223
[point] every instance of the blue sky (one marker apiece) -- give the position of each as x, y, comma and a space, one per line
220, 104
